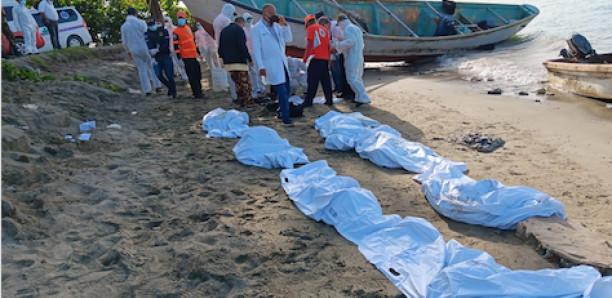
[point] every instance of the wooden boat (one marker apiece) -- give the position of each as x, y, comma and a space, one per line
398, 30
586, 79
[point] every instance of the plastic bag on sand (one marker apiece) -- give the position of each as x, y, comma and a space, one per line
263, 147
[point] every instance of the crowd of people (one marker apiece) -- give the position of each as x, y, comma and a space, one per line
251, 54
25, 23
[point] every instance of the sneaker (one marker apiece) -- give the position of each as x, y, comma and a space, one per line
158, 90
288, 123
148, 94
329, 103
201, 96
251, 107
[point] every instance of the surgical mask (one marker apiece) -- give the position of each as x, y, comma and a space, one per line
232, 17
153, 28
199, 27
181, 22
23, 2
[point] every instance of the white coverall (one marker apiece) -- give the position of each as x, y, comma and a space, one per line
179, 65
223, 20
352, 48
208, 48
24, 22
297, 74
133, 39
256, 81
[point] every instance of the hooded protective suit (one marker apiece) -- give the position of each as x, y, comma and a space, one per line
207, 46
352, 48
24, 22
256, 81
297, 74
133, 39
179, 66
219, 23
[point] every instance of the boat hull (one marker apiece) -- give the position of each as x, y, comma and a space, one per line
586, 79
378, 48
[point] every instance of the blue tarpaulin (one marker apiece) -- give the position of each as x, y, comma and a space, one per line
262, 147
220, 123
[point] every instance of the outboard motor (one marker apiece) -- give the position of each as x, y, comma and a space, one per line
580, 48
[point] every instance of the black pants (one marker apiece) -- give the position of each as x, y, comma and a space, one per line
53, 34
318, 71
347, 92
194, 73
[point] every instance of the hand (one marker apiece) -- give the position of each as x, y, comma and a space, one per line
282, 21
262, 72
130, 55
334, 51
251, 64
332, 62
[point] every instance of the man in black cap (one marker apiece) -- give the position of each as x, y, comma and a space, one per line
158, 41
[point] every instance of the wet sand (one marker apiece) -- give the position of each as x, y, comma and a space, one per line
156, 208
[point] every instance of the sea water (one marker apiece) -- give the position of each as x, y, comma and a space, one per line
516, 64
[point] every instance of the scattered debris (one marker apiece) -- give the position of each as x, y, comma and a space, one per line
479, 142
84, 137
541, 91
87, 126
537, 100
496, 91
609, 105
134, 91
114, 125
134, 113
30, 106
523, 93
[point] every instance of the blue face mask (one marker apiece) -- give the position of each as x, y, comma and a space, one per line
181, 22
153, 28
23, 2
199, 27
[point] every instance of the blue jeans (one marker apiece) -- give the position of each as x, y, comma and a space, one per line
166, 67
282, 92
336, 71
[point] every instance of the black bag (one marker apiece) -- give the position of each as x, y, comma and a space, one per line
449, 7
294, 111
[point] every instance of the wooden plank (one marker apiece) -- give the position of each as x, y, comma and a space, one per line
567, 242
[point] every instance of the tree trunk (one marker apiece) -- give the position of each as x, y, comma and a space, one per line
155, 10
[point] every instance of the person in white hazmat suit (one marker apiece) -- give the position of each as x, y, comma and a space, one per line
256, 82
133, 39
223, 20
352, 47
179, 65
207, 46
297, 75
25, 22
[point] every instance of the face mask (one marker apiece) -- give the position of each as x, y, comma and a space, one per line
23, 2
199, 27
153, 28
232, 17
181, 22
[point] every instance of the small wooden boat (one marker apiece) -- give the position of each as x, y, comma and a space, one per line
397, 30
586, 79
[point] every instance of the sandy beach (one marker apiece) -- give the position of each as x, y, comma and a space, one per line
157, 209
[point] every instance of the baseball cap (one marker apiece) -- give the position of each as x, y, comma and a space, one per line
307, 19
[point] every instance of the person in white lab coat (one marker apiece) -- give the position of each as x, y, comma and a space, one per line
221, 21
133, 39
269, 37
352, 48
24, 22
179, 65
258, 87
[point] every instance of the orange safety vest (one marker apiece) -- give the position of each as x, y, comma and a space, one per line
184, 43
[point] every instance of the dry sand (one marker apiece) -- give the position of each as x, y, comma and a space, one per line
157, 209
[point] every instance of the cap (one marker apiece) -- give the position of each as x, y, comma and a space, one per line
151, 22
341, 17
319, 14
131, 11
181, 14
307, 19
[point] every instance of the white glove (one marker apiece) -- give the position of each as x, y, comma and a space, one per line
153, 52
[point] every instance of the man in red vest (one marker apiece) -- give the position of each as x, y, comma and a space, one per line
318, 50
185, 49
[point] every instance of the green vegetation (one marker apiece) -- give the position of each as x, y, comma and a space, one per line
12, 73
91, 81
